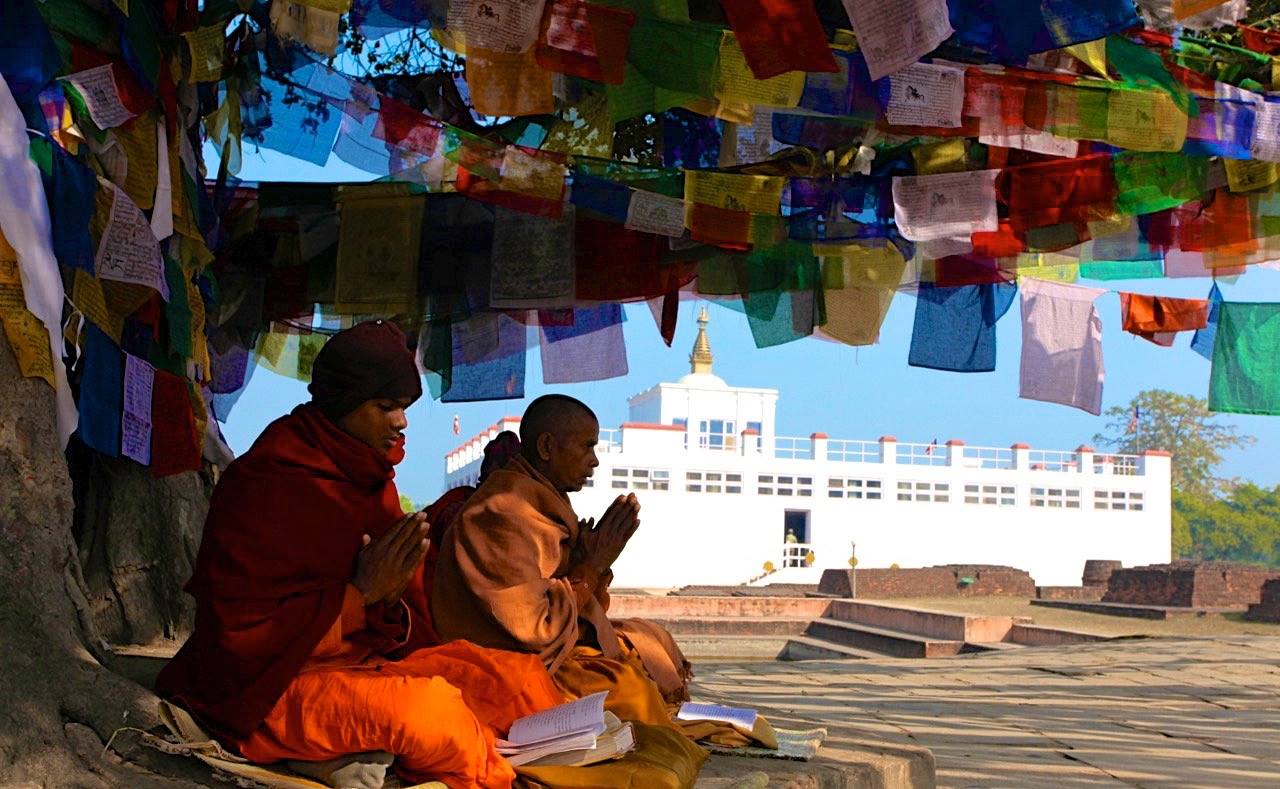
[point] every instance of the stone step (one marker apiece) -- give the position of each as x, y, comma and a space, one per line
733, 625
1140, 611
897, 643
923, 621
706, 648
809, 648
991, 646
681, 606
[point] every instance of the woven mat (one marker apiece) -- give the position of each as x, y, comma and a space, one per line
796, 744
188, 739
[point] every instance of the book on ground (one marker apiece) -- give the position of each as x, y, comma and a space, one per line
740, 718
573, 734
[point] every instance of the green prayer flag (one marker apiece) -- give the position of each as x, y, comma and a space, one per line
1246, 376
1150, 182
1122, 269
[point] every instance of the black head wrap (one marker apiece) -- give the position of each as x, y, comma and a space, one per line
366, 362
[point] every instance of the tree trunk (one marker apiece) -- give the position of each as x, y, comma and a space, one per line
60, 704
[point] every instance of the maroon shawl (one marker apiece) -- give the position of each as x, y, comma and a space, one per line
278, 550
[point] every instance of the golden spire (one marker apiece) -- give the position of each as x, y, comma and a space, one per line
700, 359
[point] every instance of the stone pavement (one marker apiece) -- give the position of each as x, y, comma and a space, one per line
1202, 712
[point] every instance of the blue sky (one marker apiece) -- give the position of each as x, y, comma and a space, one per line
824, 387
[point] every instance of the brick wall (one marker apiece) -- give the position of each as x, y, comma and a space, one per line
1189, 584
1268, 610
1090, 593
942, 581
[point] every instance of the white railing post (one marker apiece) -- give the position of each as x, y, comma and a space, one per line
955, 452
888, 449
819, 443
1021, 456
1084, 454
750, 444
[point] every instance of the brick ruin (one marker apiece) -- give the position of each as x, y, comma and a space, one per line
948, 580
1189, 584
1268, 609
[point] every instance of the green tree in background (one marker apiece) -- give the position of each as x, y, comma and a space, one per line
1213, 517
407, 504
1243, 526
1180, 424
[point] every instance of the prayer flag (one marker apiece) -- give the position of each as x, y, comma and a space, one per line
1202, 341
778, 36
1245, 378
1061, 345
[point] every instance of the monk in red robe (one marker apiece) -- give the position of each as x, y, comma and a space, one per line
312, 640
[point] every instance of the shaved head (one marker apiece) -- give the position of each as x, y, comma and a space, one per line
552, 413
558, 435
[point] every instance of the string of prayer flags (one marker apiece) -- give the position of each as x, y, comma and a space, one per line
893, 34
590, 348
779, 36
1158, 319
1061, 345
955, 327
1244, 378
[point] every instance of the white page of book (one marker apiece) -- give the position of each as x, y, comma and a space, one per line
584, 715
738, 717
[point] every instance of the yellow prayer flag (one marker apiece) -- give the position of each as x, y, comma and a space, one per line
1247, 175
858, 265
1145, 120
28, 337
755, 194
378, 245
948, 156
206, 46
735, 83
87, 297
854, 315
585, 129
536, 176
1093, 54
508, 84
1185, 8
1039, 266
138, 141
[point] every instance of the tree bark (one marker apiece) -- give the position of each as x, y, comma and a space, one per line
61, 705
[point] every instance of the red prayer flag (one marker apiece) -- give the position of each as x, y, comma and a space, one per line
175, 446
778, 36
1265, 41
402, 126
1056, 192
585, 40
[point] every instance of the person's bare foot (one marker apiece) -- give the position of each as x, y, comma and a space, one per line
357, 771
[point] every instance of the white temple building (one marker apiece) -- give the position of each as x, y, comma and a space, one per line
722, 495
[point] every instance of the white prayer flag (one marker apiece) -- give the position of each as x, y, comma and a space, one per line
1061, 344
926, 94
893, 34
128, 250
650, 212
947, 205
135, 434
97, 86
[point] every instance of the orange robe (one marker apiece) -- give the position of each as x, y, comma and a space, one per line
436, 710
504, 579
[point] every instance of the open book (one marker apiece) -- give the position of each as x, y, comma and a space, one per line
740, 718
573, 734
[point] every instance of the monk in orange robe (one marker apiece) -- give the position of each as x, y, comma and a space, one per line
518, 571
312, 641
